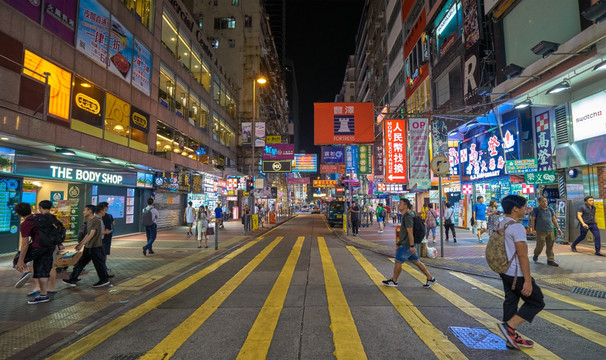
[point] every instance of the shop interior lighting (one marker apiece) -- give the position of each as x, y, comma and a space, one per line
104, 160
563, 86
4, 138
600, 66
119, 127
64, 151
524, 104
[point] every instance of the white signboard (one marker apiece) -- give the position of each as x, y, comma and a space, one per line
418, 132
589, 117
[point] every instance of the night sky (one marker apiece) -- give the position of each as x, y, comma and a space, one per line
320, 35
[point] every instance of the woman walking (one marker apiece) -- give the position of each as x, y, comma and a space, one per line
430, 222
202, 225
492, 217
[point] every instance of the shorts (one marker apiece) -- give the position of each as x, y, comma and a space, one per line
403, 253
191, 224
43, 260
481, 224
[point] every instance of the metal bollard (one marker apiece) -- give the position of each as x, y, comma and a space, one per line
216, 235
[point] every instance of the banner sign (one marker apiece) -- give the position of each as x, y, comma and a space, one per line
379, 163
325, 183
351, 158
419, 148
329, 169
273, 139
540, 178
589, 117
280, 166
120, 50
259, 134
93, 31
365, 159
246, 133
395, 150
543, 141
305, 163
439, 138
298, 181
279, 152
481, 156
521, 166
60, 18
343, 123
333, 154
142, 65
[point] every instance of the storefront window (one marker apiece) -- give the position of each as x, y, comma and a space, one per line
167, 88
164, 138
194, 110
169, 34
216, 127
143, 10
181, 100
184, 52
231, 106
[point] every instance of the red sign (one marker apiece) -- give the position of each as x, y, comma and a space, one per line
340, 189
527, 189
343, 123
300, 181
325, 183
395, 151
235, 211
329, 169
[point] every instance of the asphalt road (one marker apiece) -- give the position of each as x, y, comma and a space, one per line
298, 292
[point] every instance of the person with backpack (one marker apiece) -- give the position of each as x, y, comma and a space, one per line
381, 213
431, 222
542, 221
93, 249
517, 280
409, 234
40, 251
149, 220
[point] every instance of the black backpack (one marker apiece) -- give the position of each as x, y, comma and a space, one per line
418, 227
51, 231
147, 218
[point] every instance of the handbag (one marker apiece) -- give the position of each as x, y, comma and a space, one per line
210, 231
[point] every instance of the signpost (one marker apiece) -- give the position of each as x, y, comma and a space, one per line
440, 166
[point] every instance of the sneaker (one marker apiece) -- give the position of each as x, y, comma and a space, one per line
599, 254
430, 283
509, 334
144, 251
573, 248
390, 282
39, 299
70, 282
455, 240
523, 342
151, 252
553, 263
535, 258
24, 278
101, 283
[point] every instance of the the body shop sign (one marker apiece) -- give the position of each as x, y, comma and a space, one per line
66, 173
589, 117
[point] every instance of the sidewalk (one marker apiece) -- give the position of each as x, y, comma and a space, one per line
582, 270
22, 326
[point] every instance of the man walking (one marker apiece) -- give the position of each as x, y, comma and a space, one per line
381, 213
542, 221
586, 217
149, 220
108, 223
449, 221
354, 212
479, 217
189, 217
517, 282
406, 247
219, 215
93, 249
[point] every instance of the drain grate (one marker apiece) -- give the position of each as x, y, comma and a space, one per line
131, 356
589, 292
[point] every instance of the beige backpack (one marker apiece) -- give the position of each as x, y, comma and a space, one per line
496, 254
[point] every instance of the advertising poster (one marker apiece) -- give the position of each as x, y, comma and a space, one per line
471, 25
543, 141
31, 9
60, 18
600, 219
10, 190
259, 134
93, 31
116, 205
139, 119
439, 138
142, 64
589, 117
117, 114
343, 123
120, 50
305, 163
246, 133
365, 159
419, 148
395, 150
88, 103
333, 154
351, 158
7, 160
279, 152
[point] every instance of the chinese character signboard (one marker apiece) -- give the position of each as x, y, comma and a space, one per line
351, 158
325, 183
419, 148
333, 154
60, 18
379, 163
93, 31
329, 169
142, 65
395, 150
273, 139
540, 178
543, 141
521, 166
279, 152
305, 163
365, 159
453, 158
343, 123
483, 155
120, 50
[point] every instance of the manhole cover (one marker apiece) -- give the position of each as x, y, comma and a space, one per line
478, 338
589, 292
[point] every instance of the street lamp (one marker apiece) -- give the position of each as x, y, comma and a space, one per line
261, 81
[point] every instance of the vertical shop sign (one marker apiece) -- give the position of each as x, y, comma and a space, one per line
395, 151
439, 138
120, 50
365, 159
60, 18
75, 193
93, 31
142, 65
419, 148
379, 163
351, 158
453, 158
259, 134
471, 27
543, 141
246, 133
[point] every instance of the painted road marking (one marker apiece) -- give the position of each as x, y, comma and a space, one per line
261, 333
580, 330
179, 335
94, 339
345, 337
537, 352
577, 303
435, 340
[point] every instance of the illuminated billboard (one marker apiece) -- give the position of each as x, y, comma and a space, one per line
343, 123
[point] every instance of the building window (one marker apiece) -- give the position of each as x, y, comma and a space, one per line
169, 139
184, 52
248, 21
200, 70
143, 10
181, 100
204, 116
214, 43
235, 2
225, 23
232, 43
170, 34
166, 89
193, 110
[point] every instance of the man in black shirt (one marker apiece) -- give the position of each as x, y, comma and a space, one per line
108, 233
355, 218
586, 217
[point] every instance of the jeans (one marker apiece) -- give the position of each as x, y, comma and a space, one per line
596, 236
450, 226
533, 304
151, 232
355, 225
97, 255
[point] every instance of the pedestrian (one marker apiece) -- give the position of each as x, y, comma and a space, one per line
517, 281
406, 247
224, 214
479, 217
219, 216
190, 218
149, 219
355, 218
246, 218
542, 221
201, 226
431, 222
586, 217
381, 216
449, 221
492, 216
371, 213
424, 211
399, 217
42, 257
93, 249
108, 233
387, 214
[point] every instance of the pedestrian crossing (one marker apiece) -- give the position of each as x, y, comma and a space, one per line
409, 302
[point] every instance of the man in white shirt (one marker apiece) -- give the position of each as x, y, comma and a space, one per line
517, 282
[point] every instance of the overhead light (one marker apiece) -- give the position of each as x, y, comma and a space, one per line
119, 127
129, 166
600, 66
512, 70
85, 85
64, 151
545, 48
596, 12
104, 160
564, 85
4, 138
524, 104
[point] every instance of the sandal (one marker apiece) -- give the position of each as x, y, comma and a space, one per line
33, 293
